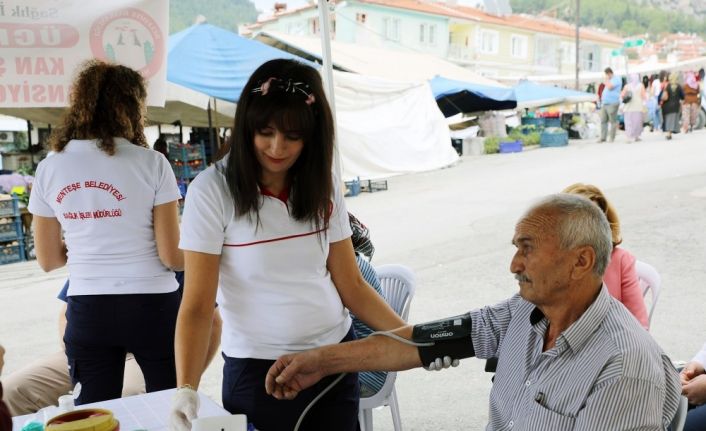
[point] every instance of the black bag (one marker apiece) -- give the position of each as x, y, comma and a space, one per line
628, 97
361, 237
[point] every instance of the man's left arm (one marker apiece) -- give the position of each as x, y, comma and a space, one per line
291, 374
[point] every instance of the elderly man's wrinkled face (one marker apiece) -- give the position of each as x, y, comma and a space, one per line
540, 266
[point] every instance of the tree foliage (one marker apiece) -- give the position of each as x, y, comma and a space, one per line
227, 14
622, 17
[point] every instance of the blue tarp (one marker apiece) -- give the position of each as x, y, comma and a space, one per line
217, 62
454, 96
530, 94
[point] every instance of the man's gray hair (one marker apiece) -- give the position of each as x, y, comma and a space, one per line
583, 223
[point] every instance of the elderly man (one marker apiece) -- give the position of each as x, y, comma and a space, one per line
570, 355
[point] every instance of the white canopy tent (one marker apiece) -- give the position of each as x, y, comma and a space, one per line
646, 68
383, 63
182, 104
388, 128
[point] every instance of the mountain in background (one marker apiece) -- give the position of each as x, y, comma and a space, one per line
625, 17
222, 13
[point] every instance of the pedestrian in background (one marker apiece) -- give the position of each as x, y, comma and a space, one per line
610, 100
671, 98
692, 102
634, 98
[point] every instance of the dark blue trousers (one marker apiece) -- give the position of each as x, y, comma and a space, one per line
696, 419
244, 393
101, 329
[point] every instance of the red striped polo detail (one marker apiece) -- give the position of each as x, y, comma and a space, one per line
283, 238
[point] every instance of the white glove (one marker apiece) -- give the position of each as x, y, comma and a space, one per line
440, 364
185, 407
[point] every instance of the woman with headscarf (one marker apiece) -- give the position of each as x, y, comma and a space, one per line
671, 98
692, 102
633, 97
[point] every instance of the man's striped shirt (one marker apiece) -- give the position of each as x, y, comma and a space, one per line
605, 371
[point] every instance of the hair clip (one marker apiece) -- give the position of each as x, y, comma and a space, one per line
264, 87
287, 86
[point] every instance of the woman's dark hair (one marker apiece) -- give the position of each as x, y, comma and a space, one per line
107, 100
290, 109
160, 145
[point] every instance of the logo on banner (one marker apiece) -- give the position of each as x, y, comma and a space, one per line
130, 37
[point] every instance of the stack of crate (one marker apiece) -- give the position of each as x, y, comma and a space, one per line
12, 248
187, 161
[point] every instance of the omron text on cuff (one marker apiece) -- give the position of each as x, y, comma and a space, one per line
450, 337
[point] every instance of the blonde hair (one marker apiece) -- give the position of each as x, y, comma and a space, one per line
595, 195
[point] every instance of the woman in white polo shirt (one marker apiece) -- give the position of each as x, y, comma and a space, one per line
265, 233
116, 202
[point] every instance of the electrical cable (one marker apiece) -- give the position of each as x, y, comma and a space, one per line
338, 379
394, 336
318, 397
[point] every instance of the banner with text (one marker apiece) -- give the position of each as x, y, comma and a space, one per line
42, 43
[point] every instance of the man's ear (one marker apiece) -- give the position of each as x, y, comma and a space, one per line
585, 261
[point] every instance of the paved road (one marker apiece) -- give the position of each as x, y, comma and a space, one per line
453, 228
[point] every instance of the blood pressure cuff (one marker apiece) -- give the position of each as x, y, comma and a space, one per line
456, 348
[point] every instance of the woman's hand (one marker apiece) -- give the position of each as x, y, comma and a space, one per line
690, 371
695, 390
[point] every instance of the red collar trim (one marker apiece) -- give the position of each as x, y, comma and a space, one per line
283, 195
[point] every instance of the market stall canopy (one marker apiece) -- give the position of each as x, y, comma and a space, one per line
531, 95
389, 127
184, 105
217, 62
646, 68
455, 96
382, 63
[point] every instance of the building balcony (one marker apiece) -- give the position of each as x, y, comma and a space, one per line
459, 52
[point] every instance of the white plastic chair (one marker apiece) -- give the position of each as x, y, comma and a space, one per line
398, 284
651, 281
677, 423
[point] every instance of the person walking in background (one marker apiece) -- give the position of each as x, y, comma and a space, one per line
671, 98
663, 82
105, 205
692, 102
634, 97
620, 276
653, 106
610, 100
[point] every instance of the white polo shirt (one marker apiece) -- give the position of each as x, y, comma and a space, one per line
104, 204
275, 293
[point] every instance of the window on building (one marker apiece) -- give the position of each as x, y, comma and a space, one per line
422, 27
432, 34
391, 28
313, 25
519, 46
546, 51
568, 52
489, 41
